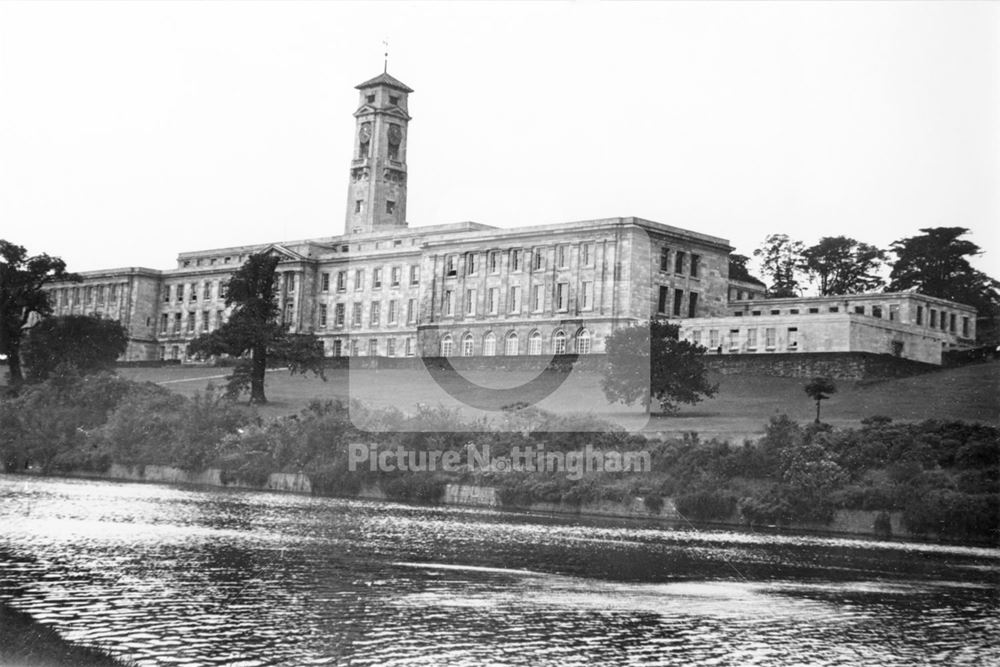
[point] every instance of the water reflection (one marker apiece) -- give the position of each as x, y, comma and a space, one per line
178, 576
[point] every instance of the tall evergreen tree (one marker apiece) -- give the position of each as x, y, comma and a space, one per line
255, 334
936, 263
22, 283
842, 265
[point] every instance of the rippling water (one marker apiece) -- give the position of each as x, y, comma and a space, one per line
167, 575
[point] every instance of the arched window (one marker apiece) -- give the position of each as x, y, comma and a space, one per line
583, 342
510, 345
446, 346
467, 345
489, 344
535, 343
559, 343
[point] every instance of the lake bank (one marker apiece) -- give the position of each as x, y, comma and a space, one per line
663, 510
29, 643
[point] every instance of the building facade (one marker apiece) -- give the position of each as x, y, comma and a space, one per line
468, 289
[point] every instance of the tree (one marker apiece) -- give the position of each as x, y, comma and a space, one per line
781, 261
936, 264
90, 343
254, 333
22, 283
648, 361
842, 265
738, 269
819, 389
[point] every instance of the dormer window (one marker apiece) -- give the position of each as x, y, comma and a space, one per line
370, 99
394, 99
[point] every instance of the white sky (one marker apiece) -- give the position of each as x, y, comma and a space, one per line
132, 131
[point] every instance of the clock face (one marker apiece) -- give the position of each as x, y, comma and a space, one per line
395, 134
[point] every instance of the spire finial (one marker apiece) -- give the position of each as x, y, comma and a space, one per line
385, 66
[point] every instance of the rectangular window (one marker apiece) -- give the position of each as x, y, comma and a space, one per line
207, 295
693, 304
944, 323
354, 347
357, 205
515, 260
204, 320
177, 323
322, 315
190, 321
664, 259
713, 338
965, 327
696, 336
373, 347
470, 302
793, 311
338, 347
538, 260
751, 339
289, 313
587, 288
376, 278
411, 310
678, 302
325, 283
100, 295
813, 311
393, 307
163, 323
359, 279
776, 312
514, 303
193, 292
769, 334
537, 298
356, 314
166, 293
395, 274
661, 303
562, 256
834, 309
409, 346
494, 261
920, 314
493, 300
587, 254
179, 293
341, 281
734, 340
450, 266
449, 302
414, 275
933, 319
338, 316
893, 312
877, 311
679, 262
390, 206
793, 338
470, 264
562, 297
695, 261
952, 322
390, 347
375, 313
860, 310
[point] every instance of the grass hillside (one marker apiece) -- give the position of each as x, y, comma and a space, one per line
741, 408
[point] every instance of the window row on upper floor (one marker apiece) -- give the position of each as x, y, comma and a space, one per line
477, 262
680, 262
109, 294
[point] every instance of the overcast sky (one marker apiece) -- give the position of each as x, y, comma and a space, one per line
132, 131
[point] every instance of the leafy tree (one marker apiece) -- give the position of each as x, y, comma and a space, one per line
819, 389
842, 265
22, 282
738, 269
254, 333
89, 343
781, 261
648, 361
936, 264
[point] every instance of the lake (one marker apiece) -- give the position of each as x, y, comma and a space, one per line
186, 576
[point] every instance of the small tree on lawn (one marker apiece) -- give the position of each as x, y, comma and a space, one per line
648, 361
90, 344
255, 334
819, 389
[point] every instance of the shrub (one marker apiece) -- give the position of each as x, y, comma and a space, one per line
706, 505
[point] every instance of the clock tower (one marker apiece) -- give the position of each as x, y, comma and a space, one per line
376, 196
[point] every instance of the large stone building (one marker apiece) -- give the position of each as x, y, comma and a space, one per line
468, 289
